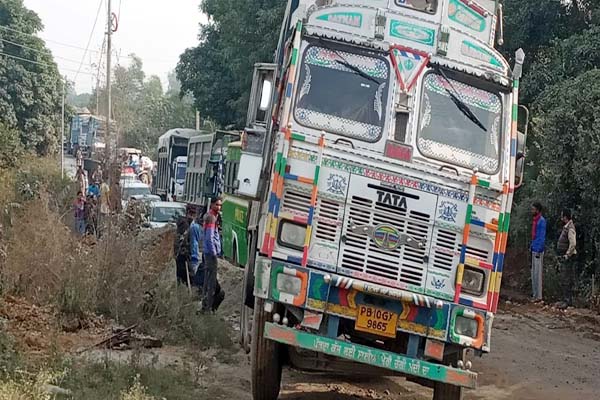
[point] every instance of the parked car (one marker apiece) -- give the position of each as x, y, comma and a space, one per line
130, 189
163, 213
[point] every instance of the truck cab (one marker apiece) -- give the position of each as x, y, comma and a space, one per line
172, 153
385, 179
177, 178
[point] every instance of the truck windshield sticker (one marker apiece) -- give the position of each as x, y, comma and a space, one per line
447, 135
343, 93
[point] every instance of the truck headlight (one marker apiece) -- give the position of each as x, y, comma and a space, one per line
473, 281
465, 327
289, 284
292, 234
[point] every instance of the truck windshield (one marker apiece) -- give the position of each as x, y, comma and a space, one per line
180, 172
446, 134
343, 93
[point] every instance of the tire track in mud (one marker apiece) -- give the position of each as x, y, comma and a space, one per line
537, 354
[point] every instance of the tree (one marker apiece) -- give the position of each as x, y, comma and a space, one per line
30, 91
568, 134
141, 109
218, 72
10, 147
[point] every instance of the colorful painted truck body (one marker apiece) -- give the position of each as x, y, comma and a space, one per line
385, 182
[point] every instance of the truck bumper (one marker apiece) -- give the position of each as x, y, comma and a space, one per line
371, 356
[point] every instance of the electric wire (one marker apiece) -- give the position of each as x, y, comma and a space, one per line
40, 63
38, 51
90, 38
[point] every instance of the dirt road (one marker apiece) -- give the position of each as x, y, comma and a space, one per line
538, 353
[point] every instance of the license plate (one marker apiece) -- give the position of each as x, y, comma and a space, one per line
377, 321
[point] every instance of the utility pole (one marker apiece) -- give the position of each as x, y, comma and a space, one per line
62, 140
197, 120
109, 149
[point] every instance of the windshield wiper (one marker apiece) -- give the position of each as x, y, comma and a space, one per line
357, 70
346, 64
460, 104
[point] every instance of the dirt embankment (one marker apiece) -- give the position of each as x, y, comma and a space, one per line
538, 353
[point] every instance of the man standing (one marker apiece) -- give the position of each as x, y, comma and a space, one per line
212, 249
182, 245
538, 243
79, 213
104, 198
567, 249
195, 240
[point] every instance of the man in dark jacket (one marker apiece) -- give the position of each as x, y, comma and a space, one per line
567, 250
181, 246
538, 244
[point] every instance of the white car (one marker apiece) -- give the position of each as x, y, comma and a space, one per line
130, 189
163, 213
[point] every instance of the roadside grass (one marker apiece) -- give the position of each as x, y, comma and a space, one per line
100, 379
110, 380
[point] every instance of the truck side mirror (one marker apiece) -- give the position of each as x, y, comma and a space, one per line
261, 94
265, 99
523, 127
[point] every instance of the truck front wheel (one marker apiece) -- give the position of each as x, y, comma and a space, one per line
445, 391
266, 360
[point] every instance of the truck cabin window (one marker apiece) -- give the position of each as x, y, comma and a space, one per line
447, 134
428, 6
343, 93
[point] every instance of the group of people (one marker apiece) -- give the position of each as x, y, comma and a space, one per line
197, 249
566, 250
92, 201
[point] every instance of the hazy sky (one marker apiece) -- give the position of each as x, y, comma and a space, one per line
158, 31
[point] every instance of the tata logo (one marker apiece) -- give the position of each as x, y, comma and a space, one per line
392, 199
386, 237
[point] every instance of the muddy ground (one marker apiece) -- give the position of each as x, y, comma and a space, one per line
538, 353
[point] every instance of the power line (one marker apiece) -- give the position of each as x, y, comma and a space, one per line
38, 51
77, 47
90, 38
39, 63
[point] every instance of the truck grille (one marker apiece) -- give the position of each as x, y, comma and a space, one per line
447, 245
404, 265
327, 214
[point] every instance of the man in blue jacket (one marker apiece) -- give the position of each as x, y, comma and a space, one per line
538, 244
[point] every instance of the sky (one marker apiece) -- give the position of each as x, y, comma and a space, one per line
157, 31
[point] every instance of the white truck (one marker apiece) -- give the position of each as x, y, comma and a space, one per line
172, 162
382, 188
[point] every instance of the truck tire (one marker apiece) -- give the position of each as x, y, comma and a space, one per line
266, 360
445, 391
246, 312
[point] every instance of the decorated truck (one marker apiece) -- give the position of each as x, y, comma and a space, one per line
381, 174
